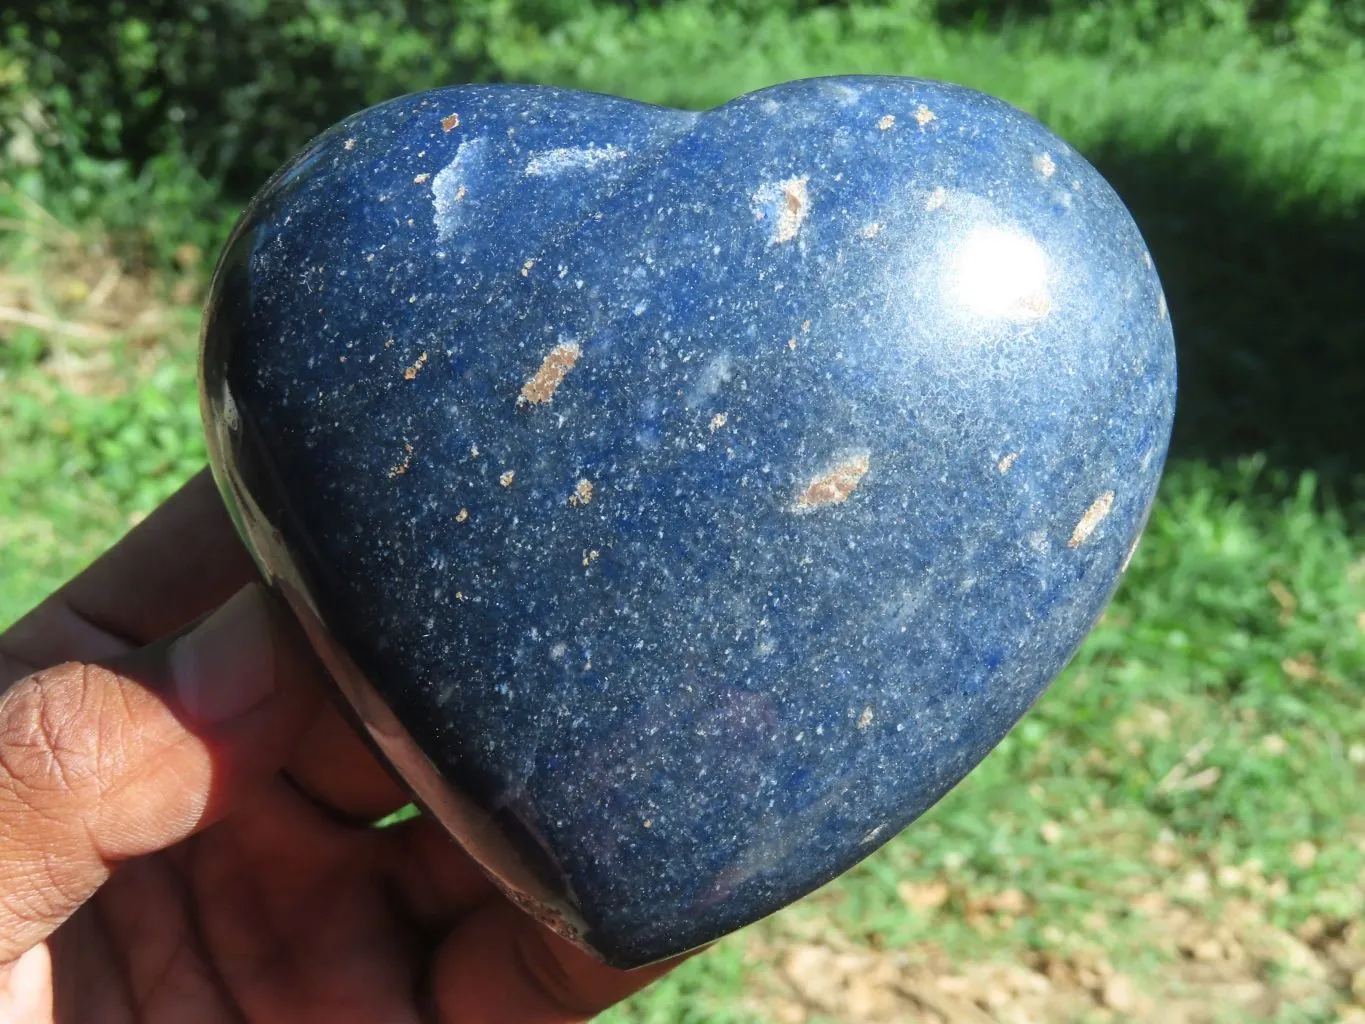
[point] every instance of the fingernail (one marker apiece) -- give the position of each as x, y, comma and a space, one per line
226, 665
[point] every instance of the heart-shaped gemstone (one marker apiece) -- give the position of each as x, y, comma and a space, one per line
685, 502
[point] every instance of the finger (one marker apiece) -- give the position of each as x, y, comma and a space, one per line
74, 976
502, 967
295, 919
177, 565
100, 763
159, 955
26, 987
333, 767
85, 982
434, 881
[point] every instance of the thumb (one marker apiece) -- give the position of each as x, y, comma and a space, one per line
103, 762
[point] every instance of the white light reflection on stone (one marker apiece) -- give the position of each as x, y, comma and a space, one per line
998, 273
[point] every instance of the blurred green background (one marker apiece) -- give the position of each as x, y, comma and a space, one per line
1172, 834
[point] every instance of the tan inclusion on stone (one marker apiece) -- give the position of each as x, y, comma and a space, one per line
553, 369
1094, 515
833, 486
582, 493
793, 205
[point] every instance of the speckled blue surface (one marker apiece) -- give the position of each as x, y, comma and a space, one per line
686, 502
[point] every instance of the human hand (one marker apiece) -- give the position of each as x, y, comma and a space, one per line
184, 823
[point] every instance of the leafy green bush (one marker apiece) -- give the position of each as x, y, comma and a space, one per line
147, 110
1276, 21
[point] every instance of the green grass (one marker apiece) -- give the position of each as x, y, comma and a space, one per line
1205, 752
78, 469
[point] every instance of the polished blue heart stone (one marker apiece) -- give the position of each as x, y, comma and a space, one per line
685, 502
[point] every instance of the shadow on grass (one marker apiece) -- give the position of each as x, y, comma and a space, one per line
1268, 304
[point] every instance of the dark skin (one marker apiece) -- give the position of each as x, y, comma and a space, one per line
162, 864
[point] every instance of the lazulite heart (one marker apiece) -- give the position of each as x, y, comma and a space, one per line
685, 502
